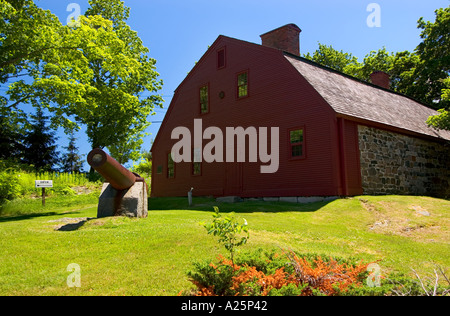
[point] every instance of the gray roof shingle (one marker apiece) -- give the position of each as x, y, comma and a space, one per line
351, 97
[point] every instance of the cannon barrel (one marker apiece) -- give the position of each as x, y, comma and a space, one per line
117, 175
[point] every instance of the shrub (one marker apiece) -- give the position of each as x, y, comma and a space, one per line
262, 273
9, 186
68, 191
212, 280
278, 274
328, 277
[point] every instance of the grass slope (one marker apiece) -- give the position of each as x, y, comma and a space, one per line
123, 256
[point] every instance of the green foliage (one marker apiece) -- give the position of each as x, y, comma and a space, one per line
332, 58
435, 68
10, 187
228, 230
92, 73
71, 160
222, 278
18, 181
119, 105
245, 278
143, 168
266, 261
164, 245
205, 274
11, 135
399, 284
33, 207
400, 66
421, 74
68, 191
289, 290
442, 121
28, 35
434, 52
39, 144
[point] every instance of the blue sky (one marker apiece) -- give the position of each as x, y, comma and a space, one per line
178, 32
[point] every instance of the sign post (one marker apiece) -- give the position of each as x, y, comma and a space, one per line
43, 184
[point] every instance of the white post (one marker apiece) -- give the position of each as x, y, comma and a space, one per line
190, 197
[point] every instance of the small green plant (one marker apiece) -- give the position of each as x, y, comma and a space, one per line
228, 230
10, 188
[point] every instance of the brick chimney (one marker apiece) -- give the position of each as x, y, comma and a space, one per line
285, 38
381, 79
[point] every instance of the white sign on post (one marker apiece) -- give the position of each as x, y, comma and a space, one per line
44, 183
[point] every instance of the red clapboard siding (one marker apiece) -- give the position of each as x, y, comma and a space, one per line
278, 97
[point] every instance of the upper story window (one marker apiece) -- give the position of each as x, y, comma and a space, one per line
170, 167
196, 166
204, 99
221, 58
242, 84
296, 142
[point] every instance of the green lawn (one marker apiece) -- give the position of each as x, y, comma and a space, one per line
123, 256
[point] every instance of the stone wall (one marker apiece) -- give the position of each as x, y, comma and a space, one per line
392, 163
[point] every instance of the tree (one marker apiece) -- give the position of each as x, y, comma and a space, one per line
71, 160
423, 74
337, 60
11, 132
127, 149
442, 121
403, 71
434, 52
400, 66
121, 113
228, 230
39, 142
27, 34
144, 166
26, 37
93, 73
420, 74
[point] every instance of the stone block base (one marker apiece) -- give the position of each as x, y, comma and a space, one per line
229, 199
132, 202
290, 199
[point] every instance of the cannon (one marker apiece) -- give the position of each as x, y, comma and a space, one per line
124, 193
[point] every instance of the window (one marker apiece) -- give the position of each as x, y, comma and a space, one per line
196, 166
221, 58
204, 99
242, 84
159, 169
296, 139
170, 167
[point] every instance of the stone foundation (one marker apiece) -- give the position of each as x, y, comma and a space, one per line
289, 199
392, 163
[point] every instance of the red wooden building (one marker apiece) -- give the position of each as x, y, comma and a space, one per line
338, 136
